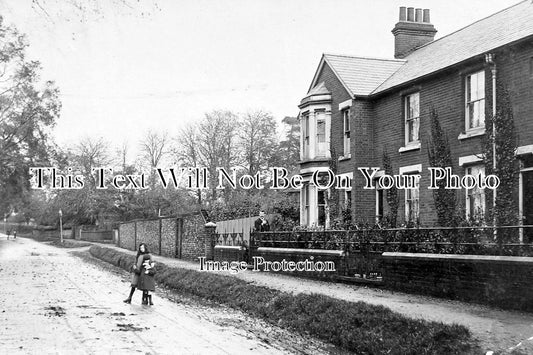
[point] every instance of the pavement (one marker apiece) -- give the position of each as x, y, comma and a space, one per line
55, 303
496, 329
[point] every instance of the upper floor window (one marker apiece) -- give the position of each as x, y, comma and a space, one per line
412, 118
346, 120
475, 100
305, 134
321, 146
475, 198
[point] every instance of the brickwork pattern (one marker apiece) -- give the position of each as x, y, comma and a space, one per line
96, 236
377, 124
148, 233
168, 236
127, 235
489, 280
193, 237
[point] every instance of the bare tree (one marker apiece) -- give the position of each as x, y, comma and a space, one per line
258, 141
187, 152
217, 144
154, 147
91, 153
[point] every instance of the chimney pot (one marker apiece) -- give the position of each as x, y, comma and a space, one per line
426, 16
403, 13
412, 31
418, 15
411, 14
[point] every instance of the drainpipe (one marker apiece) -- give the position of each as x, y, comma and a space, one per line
489, 59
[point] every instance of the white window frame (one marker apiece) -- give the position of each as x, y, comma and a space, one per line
306, 203
306, 144
412, 115
475, 196
414, 196
321, 146
346, 130
472, 102
411, 170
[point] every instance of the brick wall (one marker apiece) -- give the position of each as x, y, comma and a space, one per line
230, 253
126, 236
94, 236
193, 238
496, 280
363, 155
148, 233
299, 255
166, 236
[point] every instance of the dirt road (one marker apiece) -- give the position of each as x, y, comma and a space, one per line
53, 302
496, 330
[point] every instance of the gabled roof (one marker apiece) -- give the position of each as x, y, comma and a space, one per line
359, 75
319, 89
504, 27
369, 76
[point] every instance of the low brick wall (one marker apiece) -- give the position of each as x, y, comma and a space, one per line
496, 280
230, 253
303, 255
93, 236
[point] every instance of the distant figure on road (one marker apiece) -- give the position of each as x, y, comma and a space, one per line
136, 271
261, 224
146, 277
8, 233
15, 234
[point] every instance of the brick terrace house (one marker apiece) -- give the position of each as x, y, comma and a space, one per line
359, 107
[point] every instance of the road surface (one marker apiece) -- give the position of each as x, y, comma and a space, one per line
53, 302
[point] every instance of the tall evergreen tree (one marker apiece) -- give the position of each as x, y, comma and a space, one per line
440, 157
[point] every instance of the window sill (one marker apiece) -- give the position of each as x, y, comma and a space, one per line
345, 157
409, 147
472, 133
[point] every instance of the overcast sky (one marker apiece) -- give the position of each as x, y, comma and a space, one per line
163, 63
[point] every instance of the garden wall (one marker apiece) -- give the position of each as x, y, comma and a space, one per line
177, 237
501, 281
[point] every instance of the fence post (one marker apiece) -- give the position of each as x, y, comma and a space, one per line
209, 239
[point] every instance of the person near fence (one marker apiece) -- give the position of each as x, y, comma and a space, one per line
141, 250
146, 277
261, 224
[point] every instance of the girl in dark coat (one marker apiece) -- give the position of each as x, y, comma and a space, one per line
146, 277
142, 250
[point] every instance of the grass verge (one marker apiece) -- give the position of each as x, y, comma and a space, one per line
358, 327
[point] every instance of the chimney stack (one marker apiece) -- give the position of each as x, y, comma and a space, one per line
412, 31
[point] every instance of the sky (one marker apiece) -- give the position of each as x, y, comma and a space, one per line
128, 66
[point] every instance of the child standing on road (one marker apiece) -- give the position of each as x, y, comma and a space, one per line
142, 250
146, 278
